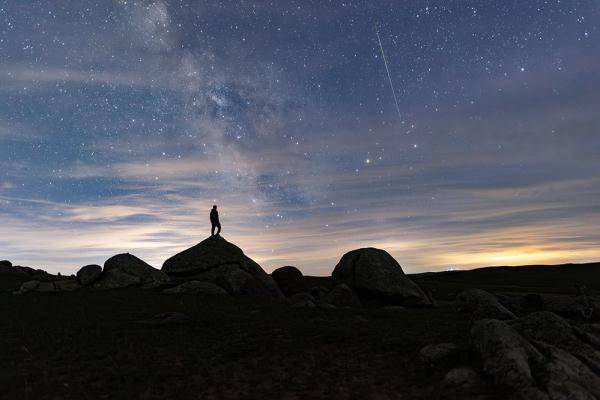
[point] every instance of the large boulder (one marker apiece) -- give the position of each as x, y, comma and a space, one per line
125, 269
375, 275
89, 274
481, 304
5, 263
537, 357
289, 279
217, 261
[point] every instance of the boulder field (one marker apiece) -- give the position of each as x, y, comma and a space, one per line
215, 266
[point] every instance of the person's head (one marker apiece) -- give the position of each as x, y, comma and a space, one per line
214, 207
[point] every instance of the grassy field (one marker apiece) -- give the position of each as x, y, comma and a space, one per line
83, 345
87, 344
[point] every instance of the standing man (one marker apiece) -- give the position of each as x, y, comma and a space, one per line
214, 220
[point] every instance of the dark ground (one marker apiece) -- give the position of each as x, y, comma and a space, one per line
84, 345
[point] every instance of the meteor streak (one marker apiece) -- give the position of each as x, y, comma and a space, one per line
388, 73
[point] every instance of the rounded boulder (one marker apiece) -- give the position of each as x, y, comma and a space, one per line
374, 274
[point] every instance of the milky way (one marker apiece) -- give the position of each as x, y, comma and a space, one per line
122, 122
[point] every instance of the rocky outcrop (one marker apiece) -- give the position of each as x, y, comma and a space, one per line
197, 287
5, 263
481, 304
129, 264
376, 276
124, 270
538, 357
88, 274
342, 296
217, 261
289, 279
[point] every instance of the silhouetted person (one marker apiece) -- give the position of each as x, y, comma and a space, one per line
214, 220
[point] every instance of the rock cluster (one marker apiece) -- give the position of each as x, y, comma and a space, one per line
539, 355
223, 264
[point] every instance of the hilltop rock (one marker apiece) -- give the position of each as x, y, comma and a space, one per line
481, 304
375, 275
197, 287
217, 261
289, 279
125, 270
5, 263
88, 274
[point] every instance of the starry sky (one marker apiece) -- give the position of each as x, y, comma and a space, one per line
122, 122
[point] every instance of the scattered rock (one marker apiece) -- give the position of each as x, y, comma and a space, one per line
438, 353
88, 274
551, 329
375, 275
481, 304
28, 287
67, 285
217, 261
131, 265
570, 306
197, 287
534, 368
5, 263
342, 296
289, 279
166, 318
302, 299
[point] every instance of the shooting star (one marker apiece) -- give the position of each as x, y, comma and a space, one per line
387, 69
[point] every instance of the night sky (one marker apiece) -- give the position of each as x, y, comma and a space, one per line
122, 122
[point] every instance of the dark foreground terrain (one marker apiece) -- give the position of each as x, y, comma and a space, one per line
90, 344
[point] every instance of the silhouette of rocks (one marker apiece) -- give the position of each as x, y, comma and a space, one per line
88, 274
342, 296
375, 275
67, 285
438, 353
5, 263
542, 361
217, 261
289, 279
302, 299
197, 287
125, 270
481, 304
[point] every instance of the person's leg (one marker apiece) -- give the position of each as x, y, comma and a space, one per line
212, 230
218, 228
